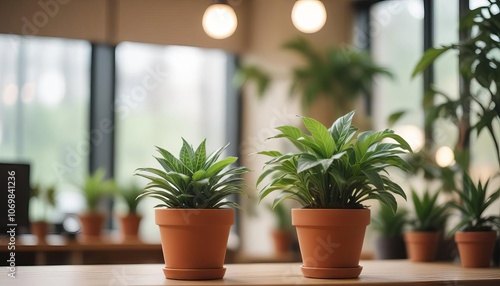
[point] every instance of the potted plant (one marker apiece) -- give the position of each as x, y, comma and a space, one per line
331, 175
94, 189
194, 225
41, 200
477, 235
389, 244
282, 234
430, 218
130, 222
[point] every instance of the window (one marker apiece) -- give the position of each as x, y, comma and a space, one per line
397, 41
44, 89
165, 93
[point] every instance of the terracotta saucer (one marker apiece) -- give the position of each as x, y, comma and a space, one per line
343, 273
194, 274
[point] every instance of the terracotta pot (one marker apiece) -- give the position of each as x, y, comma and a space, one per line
40, 229
194, 242
421, 246
282, 239
91, 224
130, 225
476, 248
390, 247
331, 241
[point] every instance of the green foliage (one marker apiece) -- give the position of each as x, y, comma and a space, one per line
388, 223
340, 73
252, 74
194, 180
332, 168
473, 202
44, 198
282, 214
96, 187
479, 63
429, 214
130, 195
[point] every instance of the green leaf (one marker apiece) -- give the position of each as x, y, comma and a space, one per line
217, 167
200, 156
320, 135
428, 58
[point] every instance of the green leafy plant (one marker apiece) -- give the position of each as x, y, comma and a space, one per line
282, 215
472, 204
130, 195
388, 223
429, 214
42, 199
340, 73
194, 180
96, 187
478, 64
332, 169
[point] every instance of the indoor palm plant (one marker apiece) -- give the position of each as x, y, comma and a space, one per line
389, 225
194, 226
429, 220
332, 175
130, 221
94, 188
42, 198
478, 232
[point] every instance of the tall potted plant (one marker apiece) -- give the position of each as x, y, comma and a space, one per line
430, 217
477, 232
131, 220
94, 189
194, 225
331, 175
389, 243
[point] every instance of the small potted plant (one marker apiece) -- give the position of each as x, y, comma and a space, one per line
282, 232
430, 217
94, 189
194, 225
332, 175
389, 243
130, 222
477, 233
41, 200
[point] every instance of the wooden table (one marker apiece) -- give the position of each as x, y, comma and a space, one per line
382, 272
59, 250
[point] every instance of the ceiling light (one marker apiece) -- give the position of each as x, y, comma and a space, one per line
308, 16
219, 20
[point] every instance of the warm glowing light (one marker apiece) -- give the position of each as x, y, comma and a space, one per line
308, 16
10, 94
28, 92
219, 21
445, 156
413, 135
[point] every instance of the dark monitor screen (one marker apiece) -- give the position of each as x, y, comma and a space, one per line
14, 197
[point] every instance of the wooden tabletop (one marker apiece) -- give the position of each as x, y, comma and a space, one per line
382, 272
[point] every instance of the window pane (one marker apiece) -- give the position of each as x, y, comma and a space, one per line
165, 93
397, 43
44, 86
446, 77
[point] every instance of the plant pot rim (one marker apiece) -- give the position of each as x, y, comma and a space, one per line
473, 236
330, 217
168, 216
